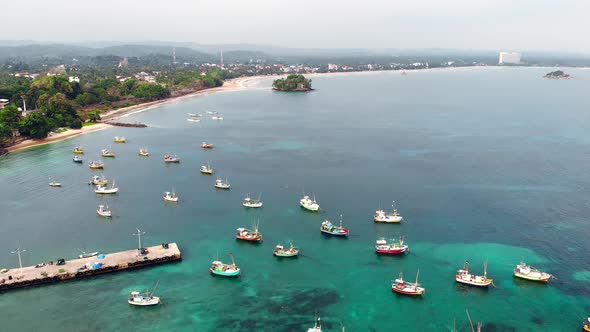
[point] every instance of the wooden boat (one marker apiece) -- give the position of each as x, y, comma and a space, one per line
78, 150
407, 288
586, 326
120, 139
195, 115
103, 189
309, 204
170, 196
206, 145
104, 211
252, 203
528, 272
77, 159
393, 248
97, 180
107, 153
225, 270
388, 217
206, 169
85, 255
220, 184
463, 276
53, 183
317, 326
193, 120
96, 165
171, 159
145, 299
144, 152
328, 228
249, 235
280, 251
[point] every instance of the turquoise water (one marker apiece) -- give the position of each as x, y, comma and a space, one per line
484, 164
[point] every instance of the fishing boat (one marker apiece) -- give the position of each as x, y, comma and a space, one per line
170, 196
120, 139
107, 153
317, 327
225, 270
195, 115
220, 184
104, 211
78, 150
328, 228
586, 326
53, 183
388, 217
249, 235
206, 145
391, 248
252, 203
216, 118
145, 299
463, 276
212, 112
171, 159
96, 165
206, 169
193, 120
88, 255
528, 272
280, 251
144, 152
97, 180
103, 189
78, 159
407, 288
309, 204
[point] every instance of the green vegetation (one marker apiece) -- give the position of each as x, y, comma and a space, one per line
293, 82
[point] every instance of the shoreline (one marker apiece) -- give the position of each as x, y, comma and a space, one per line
234, 84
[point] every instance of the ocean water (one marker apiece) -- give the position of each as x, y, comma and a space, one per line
485, 164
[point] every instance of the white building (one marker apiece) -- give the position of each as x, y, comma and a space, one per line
3, 102
74, 79
512, 58
332, 66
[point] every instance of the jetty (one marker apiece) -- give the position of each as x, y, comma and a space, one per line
61, 270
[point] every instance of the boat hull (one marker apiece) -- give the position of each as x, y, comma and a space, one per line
96, 167
153, 301
535, 279
224, 274
106, 215
247, 239
176, 161
285, 254
391, 251
78, 161
388, 220
405, 292
345, 233
586, 328
310, 208
476, 284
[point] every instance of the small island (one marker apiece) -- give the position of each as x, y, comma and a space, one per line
293, 83
558, 74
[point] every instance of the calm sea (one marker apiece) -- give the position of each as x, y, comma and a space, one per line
485, 164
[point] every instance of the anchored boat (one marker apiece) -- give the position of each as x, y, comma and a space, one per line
586, 326
225, 270
87, 255
317, 327
144, 152
96, 165
193, 120
53, 183
388, 217
103, 189
407, 288
78, 150
145, 299
463, 276
78, 159
171, 159
170, 196
280, 251
206, 145
328, 228
528, 272
391, 248
220, 184
206, 169
309, 204
195, 115
216, 118
249, 235
252, 203
104, 211
120, 139
97, 180
107, 153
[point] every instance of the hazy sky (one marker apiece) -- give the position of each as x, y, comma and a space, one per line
556, 25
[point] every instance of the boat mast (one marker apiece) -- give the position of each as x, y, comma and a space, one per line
340, 220
485, 269
139, 233
232, 259
417, 274
470, 322
154, 290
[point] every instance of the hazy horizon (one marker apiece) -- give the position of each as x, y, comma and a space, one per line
532, 25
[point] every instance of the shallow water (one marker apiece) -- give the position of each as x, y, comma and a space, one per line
484, 164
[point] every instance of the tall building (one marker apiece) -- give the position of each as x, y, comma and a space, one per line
512, 58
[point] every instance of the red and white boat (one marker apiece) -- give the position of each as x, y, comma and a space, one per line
407, 288
206, 145
463, 276
249, 235
392, 248
330, 229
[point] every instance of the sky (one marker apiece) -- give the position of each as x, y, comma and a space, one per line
543, 25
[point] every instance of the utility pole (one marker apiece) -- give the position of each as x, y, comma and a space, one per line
19, 251
221, 59
139, 234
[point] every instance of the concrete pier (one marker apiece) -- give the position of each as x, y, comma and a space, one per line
84, 267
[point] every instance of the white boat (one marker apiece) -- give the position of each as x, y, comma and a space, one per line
206, 169
170, 196
528, 272
104, 211
103, 189
388, 217
193, 120
309, 204
85, 255
212, 112
145, 299
97, 180
252, 203
195, 115
216, 118
317, 327
220, 184
465, 277
53, 183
